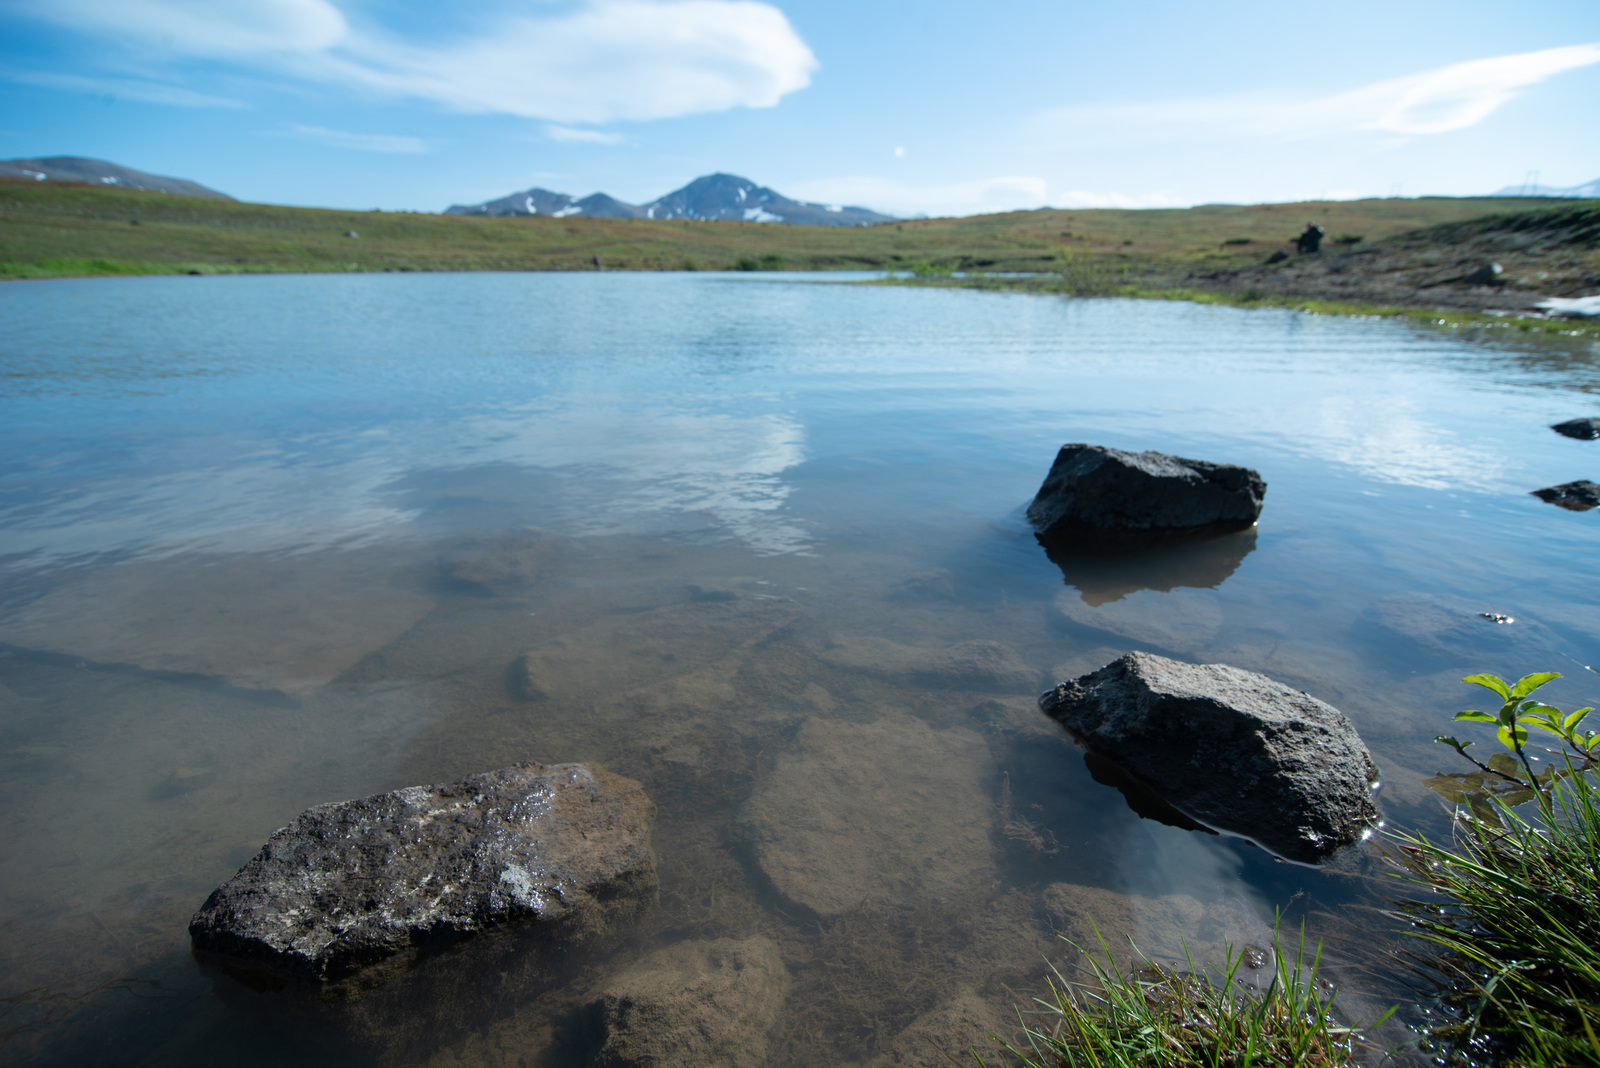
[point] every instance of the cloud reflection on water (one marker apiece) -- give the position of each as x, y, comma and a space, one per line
628, 469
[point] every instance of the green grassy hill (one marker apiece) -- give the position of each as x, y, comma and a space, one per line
56, 229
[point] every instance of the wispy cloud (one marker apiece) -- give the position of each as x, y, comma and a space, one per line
121, 88
973, 197
607, 60
202, 27
593, 137
1432, 102
360, 142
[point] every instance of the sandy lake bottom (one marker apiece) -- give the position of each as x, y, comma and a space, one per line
755, 542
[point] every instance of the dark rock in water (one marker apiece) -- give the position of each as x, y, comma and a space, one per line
1586, 429
1233, 749
693, 1004
1577, 496
352, 885
1095, 494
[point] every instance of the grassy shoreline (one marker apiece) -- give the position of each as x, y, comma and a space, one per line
1210, 254
1424, 315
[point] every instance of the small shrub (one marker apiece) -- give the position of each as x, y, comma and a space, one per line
1161, 1018
1519, 924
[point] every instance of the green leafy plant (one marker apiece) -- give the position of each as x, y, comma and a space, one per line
1519, 711
1156, 1017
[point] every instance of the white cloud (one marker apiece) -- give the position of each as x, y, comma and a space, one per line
606, 60
593, 137
1432, 102
360, 142
203, 27
610, 60
123, 89
1463, 95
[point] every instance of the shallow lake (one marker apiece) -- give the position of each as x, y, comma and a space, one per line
755, 541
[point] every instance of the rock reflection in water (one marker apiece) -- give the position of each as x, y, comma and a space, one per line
1103, 575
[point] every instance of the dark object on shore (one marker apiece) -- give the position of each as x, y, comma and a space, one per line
1098, 495
1277, 257
1310, 239
352, 885
197, 271
597, 263
1586, 429
1234, 750
351, 233
1487, 275
1577, 496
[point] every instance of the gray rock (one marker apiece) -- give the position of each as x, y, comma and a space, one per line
1233, 749
692, 1004
1586, 429
1577, 496
1095, 494
351, 885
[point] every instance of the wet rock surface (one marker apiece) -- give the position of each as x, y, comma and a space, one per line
509, 563
1095, 494
1586, 429
350, 885
973, 665
1577, 496
857, 812
1236, 750
661, 644
292, 625
692, 1004
950, 1031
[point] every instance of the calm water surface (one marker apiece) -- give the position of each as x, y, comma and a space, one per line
270, 542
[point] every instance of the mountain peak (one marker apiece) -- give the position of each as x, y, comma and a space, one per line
720, 196
101, 172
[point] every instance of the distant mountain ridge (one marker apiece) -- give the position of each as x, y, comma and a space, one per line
714, 196
1584, 191
100, 172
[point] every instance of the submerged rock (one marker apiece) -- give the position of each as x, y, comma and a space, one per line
860, 812
1095, 494
951, 1031
1577, 496
351, 885
971, 665
1233, 749
692, 1004
1586, 429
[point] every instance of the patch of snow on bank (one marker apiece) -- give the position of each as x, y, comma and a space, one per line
1582, 307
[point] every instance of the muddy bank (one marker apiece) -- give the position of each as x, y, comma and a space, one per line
1551, 252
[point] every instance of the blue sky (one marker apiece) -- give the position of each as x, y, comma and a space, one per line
941, 108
